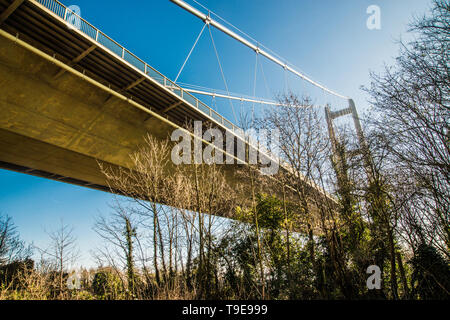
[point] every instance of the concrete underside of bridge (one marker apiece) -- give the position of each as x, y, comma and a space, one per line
64, 126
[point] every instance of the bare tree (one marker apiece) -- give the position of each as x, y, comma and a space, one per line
303, 147
177, 206
146, 185
62, 252
412, 99
12, 248
119, 231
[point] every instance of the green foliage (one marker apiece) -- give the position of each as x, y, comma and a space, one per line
107, 285
270, 211
431, 274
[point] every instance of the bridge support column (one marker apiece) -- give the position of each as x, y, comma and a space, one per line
363, 149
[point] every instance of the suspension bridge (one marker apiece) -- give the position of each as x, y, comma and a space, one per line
70, 96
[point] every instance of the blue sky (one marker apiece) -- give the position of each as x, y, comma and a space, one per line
326, 39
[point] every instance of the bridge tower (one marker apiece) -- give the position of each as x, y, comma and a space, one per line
336, 144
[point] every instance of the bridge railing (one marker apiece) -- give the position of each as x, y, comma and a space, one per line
95, 34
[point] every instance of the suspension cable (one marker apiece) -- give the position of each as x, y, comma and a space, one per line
264, 77
254, 85
251, 45
239, 98
221, 71
190, 52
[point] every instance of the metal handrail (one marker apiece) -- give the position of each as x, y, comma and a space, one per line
62, 11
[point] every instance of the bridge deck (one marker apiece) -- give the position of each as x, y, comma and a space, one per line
78, 124
91, 51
